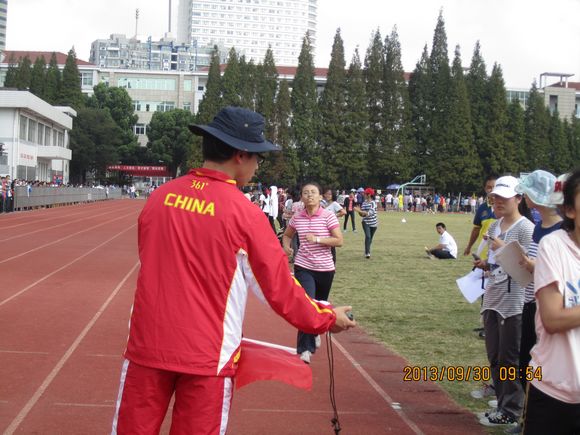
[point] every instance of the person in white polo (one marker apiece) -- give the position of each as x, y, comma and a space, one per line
447, 248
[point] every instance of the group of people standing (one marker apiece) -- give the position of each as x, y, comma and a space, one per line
532, 331
185, 337
6, 194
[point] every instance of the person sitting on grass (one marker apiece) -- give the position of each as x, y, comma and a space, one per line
447, 248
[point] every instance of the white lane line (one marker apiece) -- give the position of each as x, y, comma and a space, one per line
48, 380
28, 233
23, 352
394, 405
64, 238
25, 289
306, 411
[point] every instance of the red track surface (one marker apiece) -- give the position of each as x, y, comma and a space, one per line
67, 277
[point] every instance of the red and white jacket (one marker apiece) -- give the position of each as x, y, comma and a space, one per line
202, 245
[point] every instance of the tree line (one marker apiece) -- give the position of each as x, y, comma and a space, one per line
373, 125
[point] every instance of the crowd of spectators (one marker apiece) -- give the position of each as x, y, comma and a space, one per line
8, 189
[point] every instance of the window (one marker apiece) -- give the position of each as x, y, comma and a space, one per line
165, 106
47, 135
23, 124
146, 84
553, 103
40, 137
137, 106
140, 129
187, 85
187, 106
60, 139
87, 79
31, 130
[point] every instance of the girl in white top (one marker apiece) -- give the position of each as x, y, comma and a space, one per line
503, 304
553, 400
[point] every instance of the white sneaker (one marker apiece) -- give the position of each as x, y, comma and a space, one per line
305, 356
485, 391
492, 403
317, 341
499, 419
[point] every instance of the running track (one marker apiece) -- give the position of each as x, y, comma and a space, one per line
67, 277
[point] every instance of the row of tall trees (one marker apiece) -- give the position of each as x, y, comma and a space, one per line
372, 124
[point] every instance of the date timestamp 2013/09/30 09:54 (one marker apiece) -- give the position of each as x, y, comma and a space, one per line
469, 373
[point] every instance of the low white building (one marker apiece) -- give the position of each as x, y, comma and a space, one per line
34, 137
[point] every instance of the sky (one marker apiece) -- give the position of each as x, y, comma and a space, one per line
526, 37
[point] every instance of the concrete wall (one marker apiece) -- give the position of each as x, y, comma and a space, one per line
561, 99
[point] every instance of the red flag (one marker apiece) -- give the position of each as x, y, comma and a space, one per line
261, 361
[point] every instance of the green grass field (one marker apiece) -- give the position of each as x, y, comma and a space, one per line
409, 302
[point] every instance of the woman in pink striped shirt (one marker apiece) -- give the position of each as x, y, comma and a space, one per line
318, 230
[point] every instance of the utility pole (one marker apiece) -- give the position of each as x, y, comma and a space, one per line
169, 16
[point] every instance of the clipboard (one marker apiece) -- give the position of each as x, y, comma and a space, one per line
509, 258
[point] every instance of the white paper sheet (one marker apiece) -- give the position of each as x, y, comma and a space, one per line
471, 286
509, 257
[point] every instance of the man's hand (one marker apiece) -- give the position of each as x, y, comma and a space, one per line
342, 320
467, 251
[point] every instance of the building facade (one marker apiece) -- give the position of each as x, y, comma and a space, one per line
34, 137
251, 26
120, 52
3, 19
156, 91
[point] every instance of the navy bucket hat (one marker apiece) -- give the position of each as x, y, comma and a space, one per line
239, 128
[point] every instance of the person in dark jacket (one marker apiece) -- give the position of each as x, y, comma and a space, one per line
350, 203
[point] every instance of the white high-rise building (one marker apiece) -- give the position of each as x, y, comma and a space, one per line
250, 26
3, 19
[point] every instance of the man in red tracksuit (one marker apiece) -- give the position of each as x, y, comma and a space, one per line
202, 245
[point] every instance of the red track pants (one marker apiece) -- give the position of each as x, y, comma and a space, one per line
202, 403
